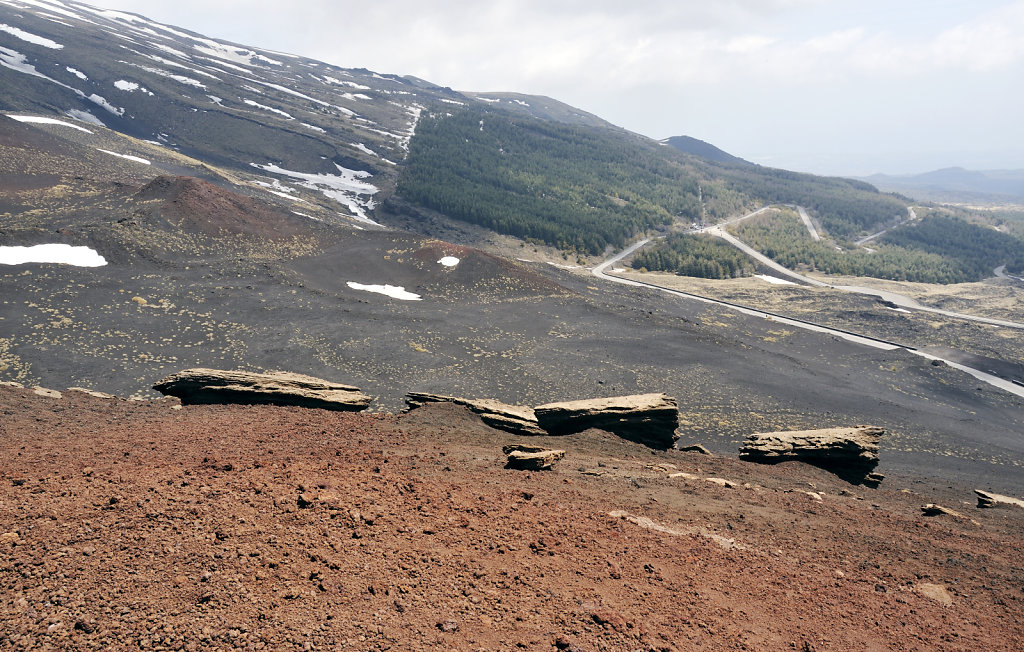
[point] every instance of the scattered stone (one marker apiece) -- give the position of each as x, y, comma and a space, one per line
517, 419
650, 419
721, 482
815, 495
91, 392
649, 524
10, 539
448, 626
932, 509
850, 453
684, 475
531, 458
11, 383
48, 393
695, 448
200, 386
935, 592
988, 499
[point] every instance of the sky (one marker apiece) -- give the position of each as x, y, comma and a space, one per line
826, 86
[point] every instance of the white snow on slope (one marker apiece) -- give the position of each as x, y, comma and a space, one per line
100, 101
46, 121
393, 291
773, 280
232, 54
30, 37
345, 188
363, 148
126, 156
52, 253
55, 7
188, 81
131, 87
350, 84
16, 61
313, 127
85, 116
449, 261
269, 108
77, 73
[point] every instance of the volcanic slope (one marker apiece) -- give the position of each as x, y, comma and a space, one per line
178, 293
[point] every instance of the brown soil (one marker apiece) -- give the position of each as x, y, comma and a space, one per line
196, 205
128, 524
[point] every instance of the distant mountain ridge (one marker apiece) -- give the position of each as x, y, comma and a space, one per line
951, 184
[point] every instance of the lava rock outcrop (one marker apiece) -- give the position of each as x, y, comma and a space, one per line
850, 453
199, 386
650, 419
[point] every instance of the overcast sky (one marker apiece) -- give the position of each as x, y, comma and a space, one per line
828, 86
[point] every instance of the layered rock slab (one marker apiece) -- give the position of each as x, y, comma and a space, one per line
650, 419
531, 458
217, 386
850, 453
516, 419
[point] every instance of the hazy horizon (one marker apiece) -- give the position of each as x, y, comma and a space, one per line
830, 87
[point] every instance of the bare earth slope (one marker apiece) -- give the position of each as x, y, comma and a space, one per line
135, 524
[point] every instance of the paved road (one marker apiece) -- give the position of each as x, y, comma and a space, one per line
911, 215
807, 222
899, 300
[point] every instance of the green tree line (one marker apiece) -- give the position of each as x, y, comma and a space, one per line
690, 254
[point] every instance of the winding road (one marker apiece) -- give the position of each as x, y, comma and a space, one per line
600, 271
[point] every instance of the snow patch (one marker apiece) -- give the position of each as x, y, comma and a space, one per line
85, 116
773, 280
449, 261
77, 73
46, 121
30, 37
269, 108
363, 148
393, 291
61, 254
100, 101
313, 127
130, 87
126, 156
345, 188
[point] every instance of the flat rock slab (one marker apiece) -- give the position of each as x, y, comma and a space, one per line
531, 458
989, 499
517, 419
206, 386
650, 419
850, 453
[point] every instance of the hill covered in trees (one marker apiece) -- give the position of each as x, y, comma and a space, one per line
692, 254
939, 249
584, 188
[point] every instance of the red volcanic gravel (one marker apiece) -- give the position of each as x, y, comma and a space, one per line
145, 525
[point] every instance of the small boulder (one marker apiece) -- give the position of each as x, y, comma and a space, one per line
931, 509
850, 453
531, 458
199, 386
650, 419
516, 419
